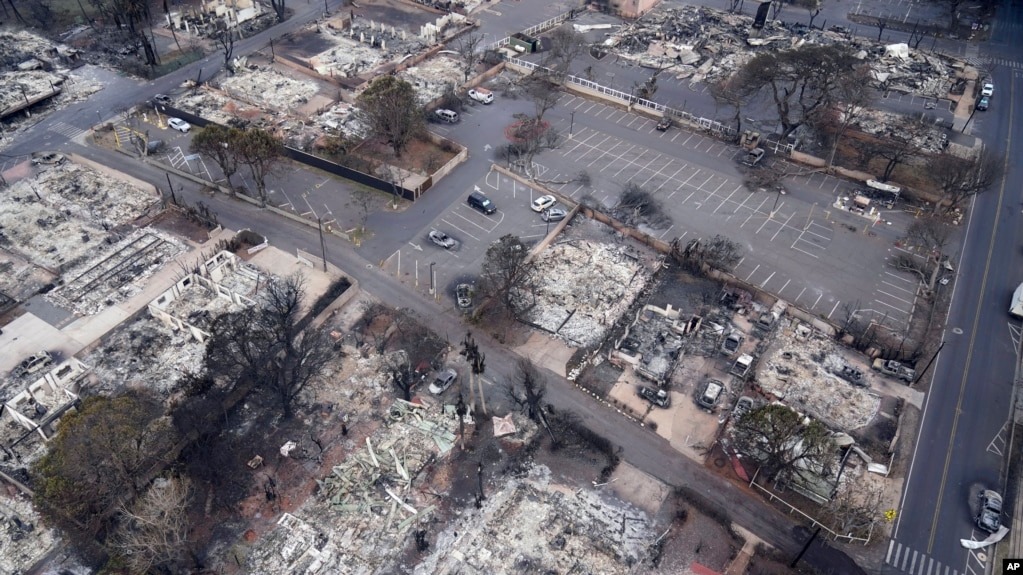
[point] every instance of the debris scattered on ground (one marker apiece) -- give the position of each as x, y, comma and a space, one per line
269, 88
801, 373
582, 288
434, 77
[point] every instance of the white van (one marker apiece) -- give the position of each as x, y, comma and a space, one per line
481, 95
445, 115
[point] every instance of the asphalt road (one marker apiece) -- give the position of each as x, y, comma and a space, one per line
963, 438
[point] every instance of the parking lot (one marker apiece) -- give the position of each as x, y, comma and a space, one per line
797, 245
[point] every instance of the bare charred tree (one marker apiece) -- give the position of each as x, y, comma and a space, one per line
959, 179
718, 252
812, 7
153, 531
469, 52
931, 238
853, 98
637, 206
561, 48
415, 349
896, 147
730, 92
225, 39
267, 345
801, 82
221, 144
279, 9
854, 508
101, 456
881, 24
390, 107
507, 275
14, 10
528, 390
769, 435
261, 152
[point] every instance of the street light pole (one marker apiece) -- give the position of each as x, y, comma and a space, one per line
323, 245
571, 127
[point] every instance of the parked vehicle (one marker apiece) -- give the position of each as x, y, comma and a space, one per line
742, 407
664, 124
481, 95
553, 215
990, 517
445, 115
852, 375
482, 203
988, 90
658, 397
443, 381
33, 363
983, 103
463, 295
162, 99
753, 157
179, 125
732, 342
894, 369
441, 239
542, 203
710, 393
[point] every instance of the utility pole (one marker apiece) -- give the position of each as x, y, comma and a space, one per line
323, 246
928, 366
805, 547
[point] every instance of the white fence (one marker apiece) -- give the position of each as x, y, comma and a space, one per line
712, 126
538, 29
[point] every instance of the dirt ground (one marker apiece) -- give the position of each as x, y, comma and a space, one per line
421, 156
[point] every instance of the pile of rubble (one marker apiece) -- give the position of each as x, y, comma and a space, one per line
21, 87
434, 77
218, 107
269, 88
23, 539
704, 44
362, 48
582, 288
535, 525
799, 369
67, 214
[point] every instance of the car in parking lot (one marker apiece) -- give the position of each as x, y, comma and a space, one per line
990, 517
542, 203
664, 124
443, 381
481, 95
478, 201
983, 104
162, 99
449, 116
33, 363
441, 239
988, 90
553, 214
753, 157
463, 295
179, 125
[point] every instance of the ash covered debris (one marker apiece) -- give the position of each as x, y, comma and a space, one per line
269, 88
582, 288
704, 45
653, 342
801, 373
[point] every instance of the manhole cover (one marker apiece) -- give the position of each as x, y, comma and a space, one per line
957, 330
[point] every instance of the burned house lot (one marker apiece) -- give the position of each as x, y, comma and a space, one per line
308, 309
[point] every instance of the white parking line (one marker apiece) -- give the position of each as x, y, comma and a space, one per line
627, 163
814, 306
752, 272
783, 226
895, 297
603, 153
629, 125
900, 278
886, 304
687, 139
460, 229
581, 142
670, 178
834, 308
655, 174
900, 288
700, 187
814, 256
784, 286
800, 294
764, 285
725, 201
591, 148
677, 135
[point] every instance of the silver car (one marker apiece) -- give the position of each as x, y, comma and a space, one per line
443, 381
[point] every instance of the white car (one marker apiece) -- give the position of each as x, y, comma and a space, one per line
988, 90
441, 239
179, 125
481, 95
443, 381
543, 202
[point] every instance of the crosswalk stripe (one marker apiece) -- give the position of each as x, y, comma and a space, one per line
913, 562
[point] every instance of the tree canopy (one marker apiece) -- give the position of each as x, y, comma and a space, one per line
785, 446
392, 111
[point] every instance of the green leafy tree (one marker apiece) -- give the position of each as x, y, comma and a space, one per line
261, 152
102, 455
220, 143
390, 108
781, 442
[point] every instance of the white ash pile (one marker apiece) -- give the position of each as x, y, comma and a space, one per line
705, 44
433, 77
67, 214
799, 373
269, 88
362, 48
342, 119
925, 136
24, 540
536, 525
18, 46
144, 354
582, 288
16, 87
216, 106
